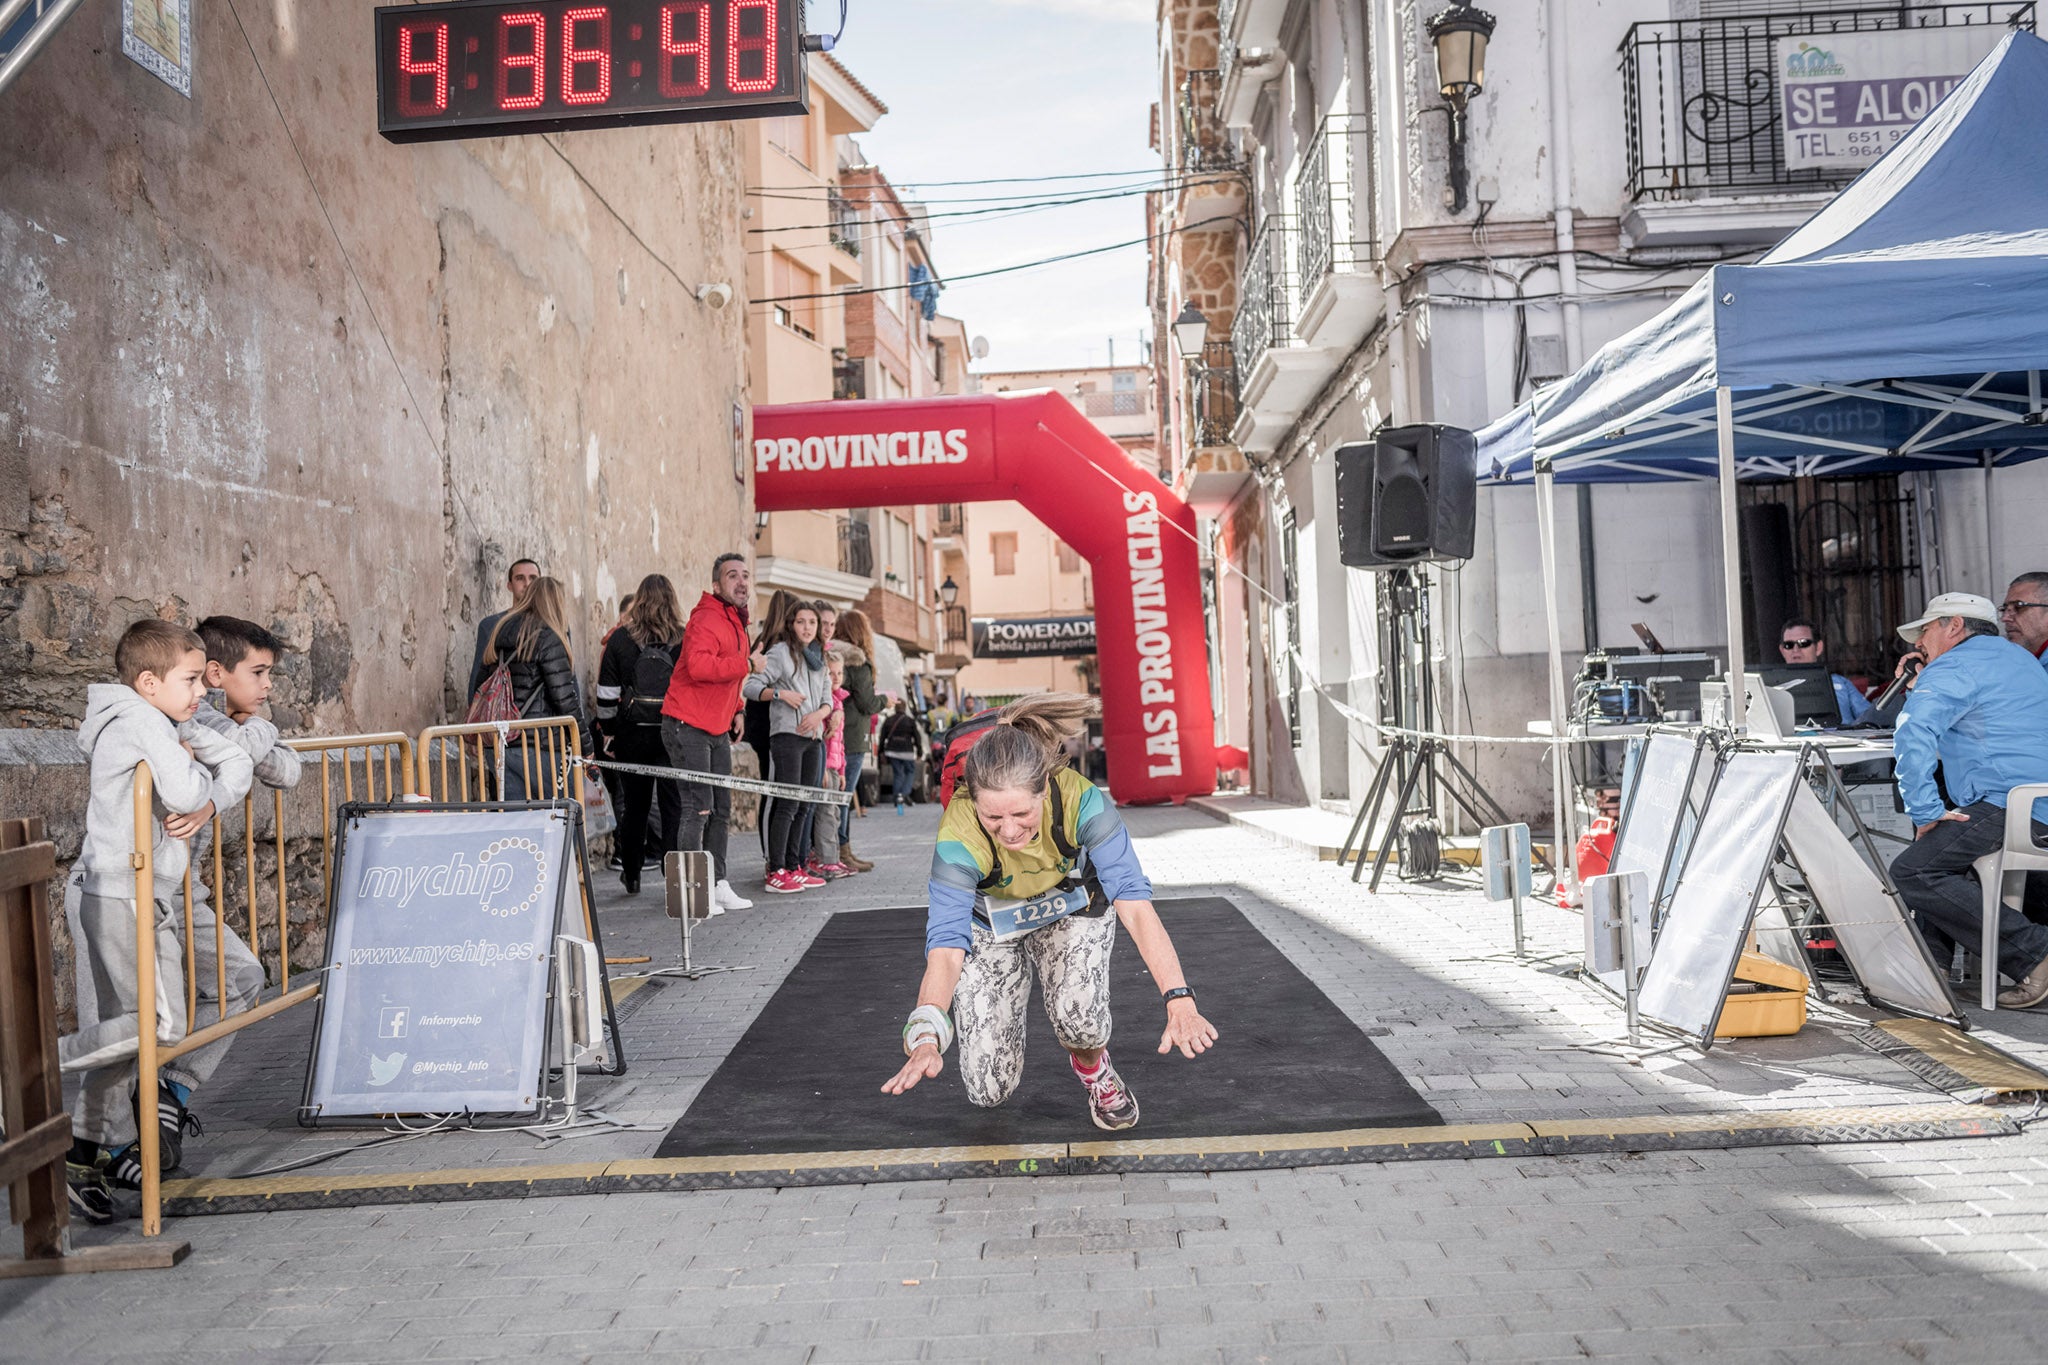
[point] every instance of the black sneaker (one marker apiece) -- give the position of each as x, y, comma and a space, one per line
173, 1122
122, 1170
90, 1197
1110, 1102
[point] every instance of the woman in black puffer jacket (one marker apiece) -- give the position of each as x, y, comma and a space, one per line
533, 641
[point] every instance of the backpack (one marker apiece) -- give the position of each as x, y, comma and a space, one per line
651, 674
955, 743
496, 701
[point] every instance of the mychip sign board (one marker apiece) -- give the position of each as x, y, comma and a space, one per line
1847, 97
438, 956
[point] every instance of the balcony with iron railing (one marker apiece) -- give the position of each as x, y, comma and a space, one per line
1278, 373
1339, 292
1205, 144
843, 215
950, 519
856, 548
1212, 471
1701, 99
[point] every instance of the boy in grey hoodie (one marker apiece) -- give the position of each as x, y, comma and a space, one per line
195, 772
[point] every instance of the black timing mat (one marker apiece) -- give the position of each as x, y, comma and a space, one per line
807, 1076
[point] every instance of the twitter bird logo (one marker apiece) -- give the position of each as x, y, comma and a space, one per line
384, 1070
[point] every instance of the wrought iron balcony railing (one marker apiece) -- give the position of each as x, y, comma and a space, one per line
1336, 176
1212, 396
1265, 293
951, 519
1116, 403
1700, 97
1205, 143
953, 629
856, 548
844, 216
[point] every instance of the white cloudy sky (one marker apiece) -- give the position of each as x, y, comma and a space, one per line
979, 89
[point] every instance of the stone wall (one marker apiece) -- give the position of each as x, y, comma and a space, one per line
255, 359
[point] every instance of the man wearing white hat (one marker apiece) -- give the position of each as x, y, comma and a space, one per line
1978, 707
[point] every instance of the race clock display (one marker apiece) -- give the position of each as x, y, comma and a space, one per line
487, 69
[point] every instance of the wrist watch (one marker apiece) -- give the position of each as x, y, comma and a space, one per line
1178, 993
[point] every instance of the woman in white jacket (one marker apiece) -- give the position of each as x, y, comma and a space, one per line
799, 692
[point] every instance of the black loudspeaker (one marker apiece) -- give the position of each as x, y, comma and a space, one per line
1407, 497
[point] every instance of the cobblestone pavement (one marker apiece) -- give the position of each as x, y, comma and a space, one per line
1919, 1252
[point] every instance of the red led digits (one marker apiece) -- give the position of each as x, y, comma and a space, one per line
595, 61
411, 66
533, 62
676, 49
737, 46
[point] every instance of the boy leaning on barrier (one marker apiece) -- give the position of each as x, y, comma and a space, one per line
195, 772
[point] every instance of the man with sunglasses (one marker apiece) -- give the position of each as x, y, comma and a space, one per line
2024, 615
1800, 645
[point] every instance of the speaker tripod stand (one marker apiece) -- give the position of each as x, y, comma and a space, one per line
1408, 759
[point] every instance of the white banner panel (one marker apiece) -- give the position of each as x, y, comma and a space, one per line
1845, 98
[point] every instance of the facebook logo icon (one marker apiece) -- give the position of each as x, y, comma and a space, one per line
391, 1022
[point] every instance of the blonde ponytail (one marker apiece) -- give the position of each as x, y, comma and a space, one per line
1027, 744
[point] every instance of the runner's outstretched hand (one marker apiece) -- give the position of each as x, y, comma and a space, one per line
1187, 1030
922, 1066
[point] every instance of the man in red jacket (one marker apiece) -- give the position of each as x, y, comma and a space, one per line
702, 708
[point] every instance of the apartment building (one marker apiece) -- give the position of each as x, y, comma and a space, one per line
848, 289
1358, 234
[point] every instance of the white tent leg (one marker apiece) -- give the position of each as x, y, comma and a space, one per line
1564, 833
1992, 582
1731, 561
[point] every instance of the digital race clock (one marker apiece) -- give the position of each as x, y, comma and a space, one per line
487, 69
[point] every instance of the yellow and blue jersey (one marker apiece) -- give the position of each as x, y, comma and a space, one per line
966, 855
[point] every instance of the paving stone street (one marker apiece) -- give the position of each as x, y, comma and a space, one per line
1930, 1251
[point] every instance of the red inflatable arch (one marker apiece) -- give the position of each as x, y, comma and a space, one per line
1035, 448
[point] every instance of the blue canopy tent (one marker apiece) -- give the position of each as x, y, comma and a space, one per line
1903, 327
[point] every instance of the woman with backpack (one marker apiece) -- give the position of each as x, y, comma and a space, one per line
528, 673
633, 678
799, 692
856, 644
1031, 857
898, 742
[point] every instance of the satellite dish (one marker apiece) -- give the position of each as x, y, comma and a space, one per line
978, 348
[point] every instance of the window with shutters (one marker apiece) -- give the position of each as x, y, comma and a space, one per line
794, 285
1002, 548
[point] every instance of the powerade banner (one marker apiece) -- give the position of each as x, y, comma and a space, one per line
1034, 637
436, 998
1847, 97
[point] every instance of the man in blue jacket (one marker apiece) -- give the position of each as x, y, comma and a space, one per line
1978, 707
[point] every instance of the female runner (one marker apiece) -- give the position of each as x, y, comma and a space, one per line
1030, 857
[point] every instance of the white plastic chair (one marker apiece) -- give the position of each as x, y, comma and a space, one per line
2003, 875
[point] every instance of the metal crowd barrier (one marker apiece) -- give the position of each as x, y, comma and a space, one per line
341, 759
543, 746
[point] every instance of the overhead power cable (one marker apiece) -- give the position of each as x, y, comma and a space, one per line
1001, 269
999, 180
994, 210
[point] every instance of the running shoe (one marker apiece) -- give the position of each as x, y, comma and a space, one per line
830, 872
1110, 1102
90, 1197
123, 1169
173, 1122
808, 878
782, 883
724, 898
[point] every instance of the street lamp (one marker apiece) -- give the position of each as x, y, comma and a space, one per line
1460, 34
949, 591
1190, 331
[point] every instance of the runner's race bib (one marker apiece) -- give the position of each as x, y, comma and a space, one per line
1013, 919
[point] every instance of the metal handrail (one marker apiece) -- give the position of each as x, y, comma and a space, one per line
1327, 191
1700, 99
1265, 294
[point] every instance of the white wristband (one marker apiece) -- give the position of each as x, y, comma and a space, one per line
927, 1023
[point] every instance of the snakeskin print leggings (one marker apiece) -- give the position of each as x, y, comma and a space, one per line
1071, 959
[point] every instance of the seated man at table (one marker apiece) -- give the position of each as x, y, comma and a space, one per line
2025, 614
1801, 646
1977, 707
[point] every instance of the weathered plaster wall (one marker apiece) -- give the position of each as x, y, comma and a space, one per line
255, 359
209, 403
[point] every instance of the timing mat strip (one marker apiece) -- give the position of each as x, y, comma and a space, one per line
1543, 1137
